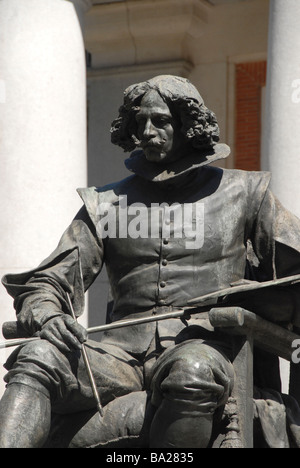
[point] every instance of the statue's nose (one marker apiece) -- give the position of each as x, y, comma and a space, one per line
149, 129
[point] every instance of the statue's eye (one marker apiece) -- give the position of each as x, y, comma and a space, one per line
160, 121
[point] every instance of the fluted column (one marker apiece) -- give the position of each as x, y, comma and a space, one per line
43, 155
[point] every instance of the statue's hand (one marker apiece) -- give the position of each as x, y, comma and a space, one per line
64, 332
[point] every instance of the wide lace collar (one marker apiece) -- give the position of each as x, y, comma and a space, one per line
177, 170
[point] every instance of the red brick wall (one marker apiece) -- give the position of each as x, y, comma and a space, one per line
250, 78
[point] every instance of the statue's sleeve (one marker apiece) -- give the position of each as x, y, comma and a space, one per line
276, 238
40, 294
276, 243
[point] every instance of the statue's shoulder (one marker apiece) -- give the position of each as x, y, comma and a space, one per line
93, 196
249, 181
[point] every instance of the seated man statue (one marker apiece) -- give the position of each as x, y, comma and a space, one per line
176, 229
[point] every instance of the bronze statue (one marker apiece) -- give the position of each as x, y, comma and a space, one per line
176, 229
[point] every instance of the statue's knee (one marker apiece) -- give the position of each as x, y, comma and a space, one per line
186, 397
38, 351
199, 375
34, 364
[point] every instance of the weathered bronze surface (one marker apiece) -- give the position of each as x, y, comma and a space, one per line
176, 230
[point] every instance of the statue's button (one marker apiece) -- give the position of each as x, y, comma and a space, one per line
164, 262
163, 284
161, 302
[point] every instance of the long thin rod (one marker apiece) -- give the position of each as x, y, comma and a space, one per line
88, 366
193, 304
100, 328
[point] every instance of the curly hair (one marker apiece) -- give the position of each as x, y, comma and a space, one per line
198, 124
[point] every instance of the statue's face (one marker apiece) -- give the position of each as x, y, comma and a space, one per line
158, 130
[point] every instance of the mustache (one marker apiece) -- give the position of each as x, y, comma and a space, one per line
151, 143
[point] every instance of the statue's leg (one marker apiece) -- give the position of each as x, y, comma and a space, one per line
190, 381
42, 380
125, 424
25, 416
25, 408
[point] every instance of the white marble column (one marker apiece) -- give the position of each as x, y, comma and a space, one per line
43, 155
82, 7
281, 139
281, 151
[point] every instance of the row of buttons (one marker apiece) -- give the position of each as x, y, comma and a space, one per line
163, 284
164, 263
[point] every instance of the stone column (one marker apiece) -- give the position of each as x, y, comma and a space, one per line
282, 115
43, 155
82, 7
281, 148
